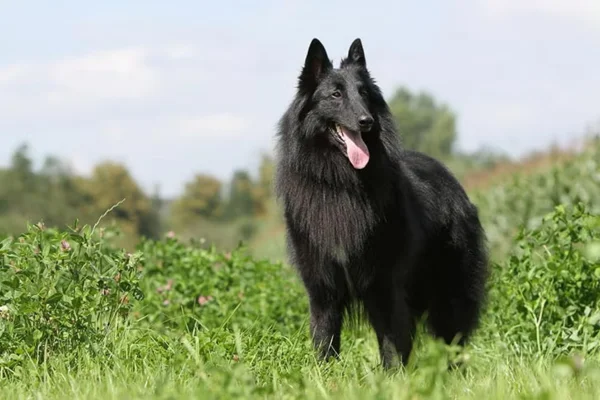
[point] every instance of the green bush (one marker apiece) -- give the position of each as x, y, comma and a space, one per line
191, 287
546, 297
60, 292
523, 200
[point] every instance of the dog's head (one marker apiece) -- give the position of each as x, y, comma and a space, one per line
340, 101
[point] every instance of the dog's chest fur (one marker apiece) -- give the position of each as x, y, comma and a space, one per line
335, 221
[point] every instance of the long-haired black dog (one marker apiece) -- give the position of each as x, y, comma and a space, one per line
369, 222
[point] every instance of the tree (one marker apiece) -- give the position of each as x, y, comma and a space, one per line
21, 166
201, 199
20, 177
151, 225
19, 190
51, 195
266, 171
424, 124
109, 184
61, 196
242, 200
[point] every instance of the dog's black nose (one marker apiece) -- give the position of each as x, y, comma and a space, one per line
365, 122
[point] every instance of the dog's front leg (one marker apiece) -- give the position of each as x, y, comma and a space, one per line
390, 316
326, 317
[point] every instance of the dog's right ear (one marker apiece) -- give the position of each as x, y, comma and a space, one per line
316, 64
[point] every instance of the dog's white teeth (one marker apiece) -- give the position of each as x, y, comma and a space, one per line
338, 129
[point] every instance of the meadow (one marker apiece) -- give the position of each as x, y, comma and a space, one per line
81, 318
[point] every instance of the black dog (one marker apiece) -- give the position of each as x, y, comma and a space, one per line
369, 222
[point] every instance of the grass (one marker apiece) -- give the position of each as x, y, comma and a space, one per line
248, 337
281, 368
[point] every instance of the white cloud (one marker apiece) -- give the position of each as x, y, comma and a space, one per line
223, 124
587, 11
102, 76
181, 52
166, 129
13, 73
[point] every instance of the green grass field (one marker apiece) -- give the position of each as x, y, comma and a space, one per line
81, 319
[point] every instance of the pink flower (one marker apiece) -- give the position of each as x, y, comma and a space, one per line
64, 245
165, 288
202, 300
170, 234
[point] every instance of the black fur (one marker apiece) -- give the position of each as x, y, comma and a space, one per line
399, 236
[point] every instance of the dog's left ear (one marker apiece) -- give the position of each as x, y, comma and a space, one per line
356, 54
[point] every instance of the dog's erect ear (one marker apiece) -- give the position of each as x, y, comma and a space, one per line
356, 54
316, 64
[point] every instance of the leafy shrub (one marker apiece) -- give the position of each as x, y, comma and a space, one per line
523, 200
188, 286
546, 297
60, 292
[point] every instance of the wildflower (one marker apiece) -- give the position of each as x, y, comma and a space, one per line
165, 288
64, 245
170, 234
202, 300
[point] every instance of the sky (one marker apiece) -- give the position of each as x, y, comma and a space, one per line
172, 89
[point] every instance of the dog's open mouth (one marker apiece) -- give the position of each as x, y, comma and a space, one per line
356, 149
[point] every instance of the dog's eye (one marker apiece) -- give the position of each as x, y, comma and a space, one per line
363, 92
336, 94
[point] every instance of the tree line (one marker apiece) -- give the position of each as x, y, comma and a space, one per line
222, 211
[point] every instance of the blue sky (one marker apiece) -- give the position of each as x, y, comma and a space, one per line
176, 88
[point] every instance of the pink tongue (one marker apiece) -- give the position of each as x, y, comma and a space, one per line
358, 153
